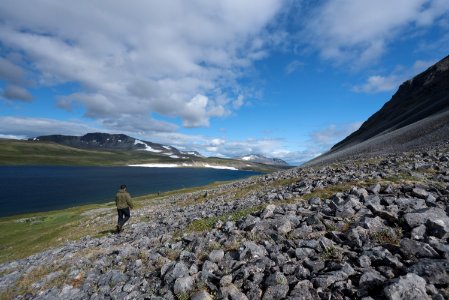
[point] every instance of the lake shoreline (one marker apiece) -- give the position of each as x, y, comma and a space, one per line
92, 206
46, 188
22, 235
184, 165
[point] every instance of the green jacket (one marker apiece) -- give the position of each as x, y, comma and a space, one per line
123, 200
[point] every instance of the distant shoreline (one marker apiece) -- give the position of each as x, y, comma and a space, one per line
183, 165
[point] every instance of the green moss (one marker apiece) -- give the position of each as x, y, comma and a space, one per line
401, 177
208, 223
328, 191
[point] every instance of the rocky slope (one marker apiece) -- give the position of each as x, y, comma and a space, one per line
370, 229
416, 116
426, 95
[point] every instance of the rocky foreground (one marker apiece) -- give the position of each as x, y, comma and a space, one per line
372, 229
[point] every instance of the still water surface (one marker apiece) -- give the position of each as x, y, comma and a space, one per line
26, 189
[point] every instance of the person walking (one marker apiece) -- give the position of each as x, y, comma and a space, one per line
124, 204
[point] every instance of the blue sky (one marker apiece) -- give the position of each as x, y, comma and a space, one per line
285, 79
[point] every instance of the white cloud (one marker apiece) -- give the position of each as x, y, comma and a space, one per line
238, 102
377, 84
325, 138
358, 31
390, 82
14, 92
268, 147
10, 71
12, 137
14, 77
217, 142
31, 127
173, 57
293, 66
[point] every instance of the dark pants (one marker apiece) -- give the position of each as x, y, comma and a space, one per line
123, 216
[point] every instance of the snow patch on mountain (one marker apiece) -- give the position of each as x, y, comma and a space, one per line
147, 148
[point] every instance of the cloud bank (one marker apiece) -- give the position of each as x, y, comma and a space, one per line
175, 58
359, 31
183, 61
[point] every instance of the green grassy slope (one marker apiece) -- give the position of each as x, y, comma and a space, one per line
13, 152
26, 234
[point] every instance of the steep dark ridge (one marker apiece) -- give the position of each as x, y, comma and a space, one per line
428, 132
423, 96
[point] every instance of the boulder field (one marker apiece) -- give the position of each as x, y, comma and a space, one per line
375, 228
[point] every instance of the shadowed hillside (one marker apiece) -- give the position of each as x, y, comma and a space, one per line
416, 116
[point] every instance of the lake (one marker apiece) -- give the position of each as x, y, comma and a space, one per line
25, 189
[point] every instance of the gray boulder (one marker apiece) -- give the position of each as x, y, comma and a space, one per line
304, 290
410, 287
216, 255
420, 193
183, 285
438, 228
232, 292
276, 292
283, 226
435, 271
268, 211
201, 295
326, 280
370, 280
179, 270
410, 204
252, 251
412, 248
421, 216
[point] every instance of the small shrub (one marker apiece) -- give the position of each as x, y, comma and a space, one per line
172, 254
331, 253
160, 262
213, 245
388, 236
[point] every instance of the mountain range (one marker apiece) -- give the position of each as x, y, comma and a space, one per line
115, 142
102, 141
104, 149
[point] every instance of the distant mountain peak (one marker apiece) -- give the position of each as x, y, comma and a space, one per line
258, 158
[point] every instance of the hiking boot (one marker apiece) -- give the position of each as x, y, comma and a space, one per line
118, 228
